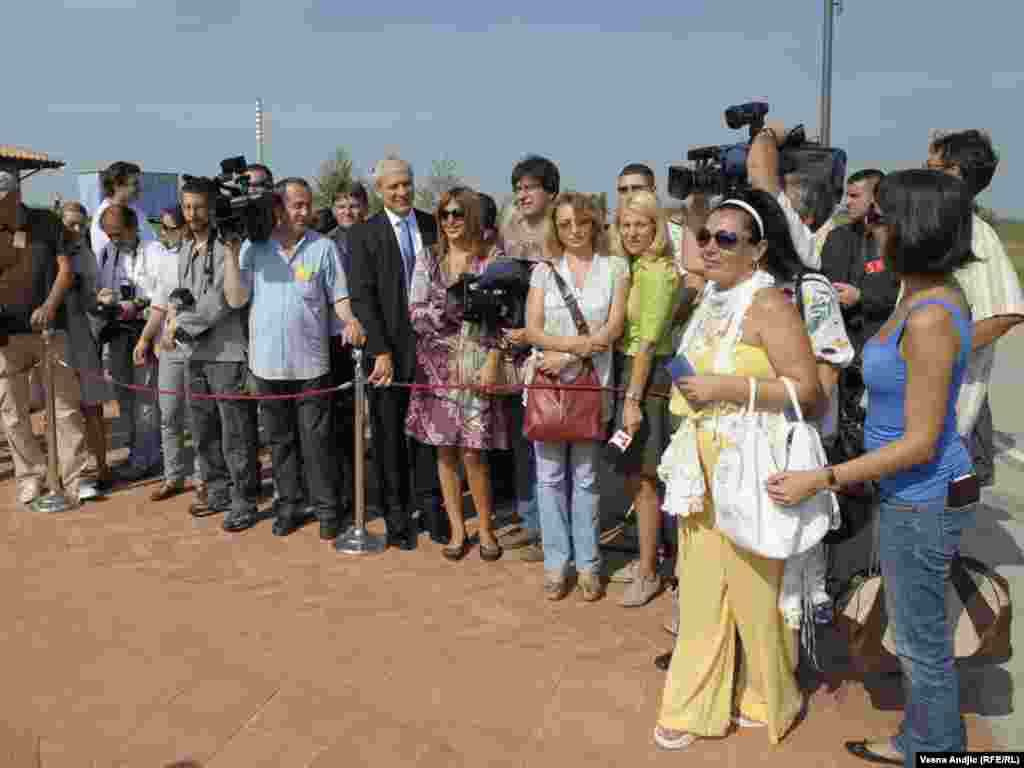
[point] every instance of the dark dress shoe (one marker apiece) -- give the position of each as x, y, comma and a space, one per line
286, 525
860, 749
239, 520
404, 540
662, 662
329, 529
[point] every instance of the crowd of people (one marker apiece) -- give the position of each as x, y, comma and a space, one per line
883, 314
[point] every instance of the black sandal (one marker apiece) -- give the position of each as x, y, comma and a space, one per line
491, 554
455, 553
860, 749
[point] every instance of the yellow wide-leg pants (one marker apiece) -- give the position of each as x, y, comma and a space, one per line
725, 591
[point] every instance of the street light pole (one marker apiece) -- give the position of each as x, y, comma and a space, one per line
825, 102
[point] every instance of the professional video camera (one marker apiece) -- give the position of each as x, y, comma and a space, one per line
240, 210
722, 170
496, 298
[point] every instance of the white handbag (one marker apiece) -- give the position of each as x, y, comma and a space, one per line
743, 510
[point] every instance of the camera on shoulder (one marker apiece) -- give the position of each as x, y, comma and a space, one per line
722, 169
241, 210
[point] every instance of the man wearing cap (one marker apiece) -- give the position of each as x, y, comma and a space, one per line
34, 279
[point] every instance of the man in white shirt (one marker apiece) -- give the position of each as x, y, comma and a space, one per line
130, 275
120, 187
763, 174
384, 252
991, 286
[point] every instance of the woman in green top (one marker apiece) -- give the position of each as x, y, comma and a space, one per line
645, 346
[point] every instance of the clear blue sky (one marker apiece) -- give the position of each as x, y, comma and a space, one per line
172, 84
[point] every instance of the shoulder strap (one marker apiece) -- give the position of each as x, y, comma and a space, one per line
570, 301
800, 295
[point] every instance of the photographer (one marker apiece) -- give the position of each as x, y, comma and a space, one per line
35, 278
763, 174
129, 275
215, 347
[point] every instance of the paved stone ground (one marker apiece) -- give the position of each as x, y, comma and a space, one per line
134, 635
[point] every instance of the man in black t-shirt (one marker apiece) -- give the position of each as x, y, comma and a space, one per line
851, 260
34, 279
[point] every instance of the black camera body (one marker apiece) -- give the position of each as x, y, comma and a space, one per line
241, 211
182, 299
722, 169
496, 298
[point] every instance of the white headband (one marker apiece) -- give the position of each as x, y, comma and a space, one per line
749, 209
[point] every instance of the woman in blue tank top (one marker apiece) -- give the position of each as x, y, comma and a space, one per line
913, 368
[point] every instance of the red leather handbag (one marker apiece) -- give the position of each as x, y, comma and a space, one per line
557, 415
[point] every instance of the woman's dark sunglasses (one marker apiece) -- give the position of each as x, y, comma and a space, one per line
453, 213
874, 217
724, 238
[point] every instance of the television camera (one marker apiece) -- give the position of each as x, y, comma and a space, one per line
241, 210
722, 169
496, 298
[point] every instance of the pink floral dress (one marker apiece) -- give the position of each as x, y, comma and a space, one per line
449, 350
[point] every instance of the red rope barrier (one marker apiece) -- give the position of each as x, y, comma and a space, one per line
496, 391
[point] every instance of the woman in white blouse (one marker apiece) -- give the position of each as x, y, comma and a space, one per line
567, 492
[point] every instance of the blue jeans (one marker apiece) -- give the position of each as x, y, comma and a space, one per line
917, 543
569, 513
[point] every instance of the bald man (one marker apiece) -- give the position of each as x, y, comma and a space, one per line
383, 256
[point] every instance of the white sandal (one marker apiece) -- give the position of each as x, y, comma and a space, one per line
746, 722
673, 744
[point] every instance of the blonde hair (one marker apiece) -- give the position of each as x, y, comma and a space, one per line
643, 203
581, 204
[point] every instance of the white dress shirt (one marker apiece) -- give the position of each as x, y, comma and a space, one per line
149, 268
98, 238
414, 231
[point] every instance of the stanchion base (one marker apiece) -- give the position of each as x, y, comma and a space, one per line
52, 503
359, 541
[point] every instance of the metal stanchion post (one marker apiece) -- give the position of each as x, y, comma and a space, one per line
357, 540
55, 499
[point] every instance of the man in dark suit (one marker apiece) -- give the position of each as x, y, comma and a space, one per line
383, 256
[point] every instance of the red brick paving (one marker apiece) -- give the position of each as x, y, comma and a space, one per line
133, 635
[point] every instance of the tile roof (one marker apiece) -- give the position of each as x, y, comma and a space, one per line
26, 159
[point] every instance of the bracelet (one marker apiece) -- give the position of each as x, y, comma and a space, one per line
763, 131
634, 396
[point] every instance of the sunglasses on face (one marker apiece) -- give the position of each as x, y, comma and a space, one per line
722, 237
456, 214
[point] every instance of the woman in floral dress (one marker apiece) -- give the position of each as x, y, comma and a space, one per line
453, 352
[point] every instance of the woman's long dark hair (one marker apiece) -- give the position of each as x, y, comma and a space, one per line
928, 222
780, 260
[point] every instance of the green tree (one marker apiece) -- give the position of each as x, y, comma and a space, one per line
444, 174
334, 175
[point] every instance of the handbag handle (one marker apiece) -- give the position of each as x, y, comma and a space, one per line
791, 390
753, 394
582, 328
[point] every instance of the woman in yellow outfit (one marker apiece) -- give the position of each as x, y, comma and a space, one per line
734, 659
